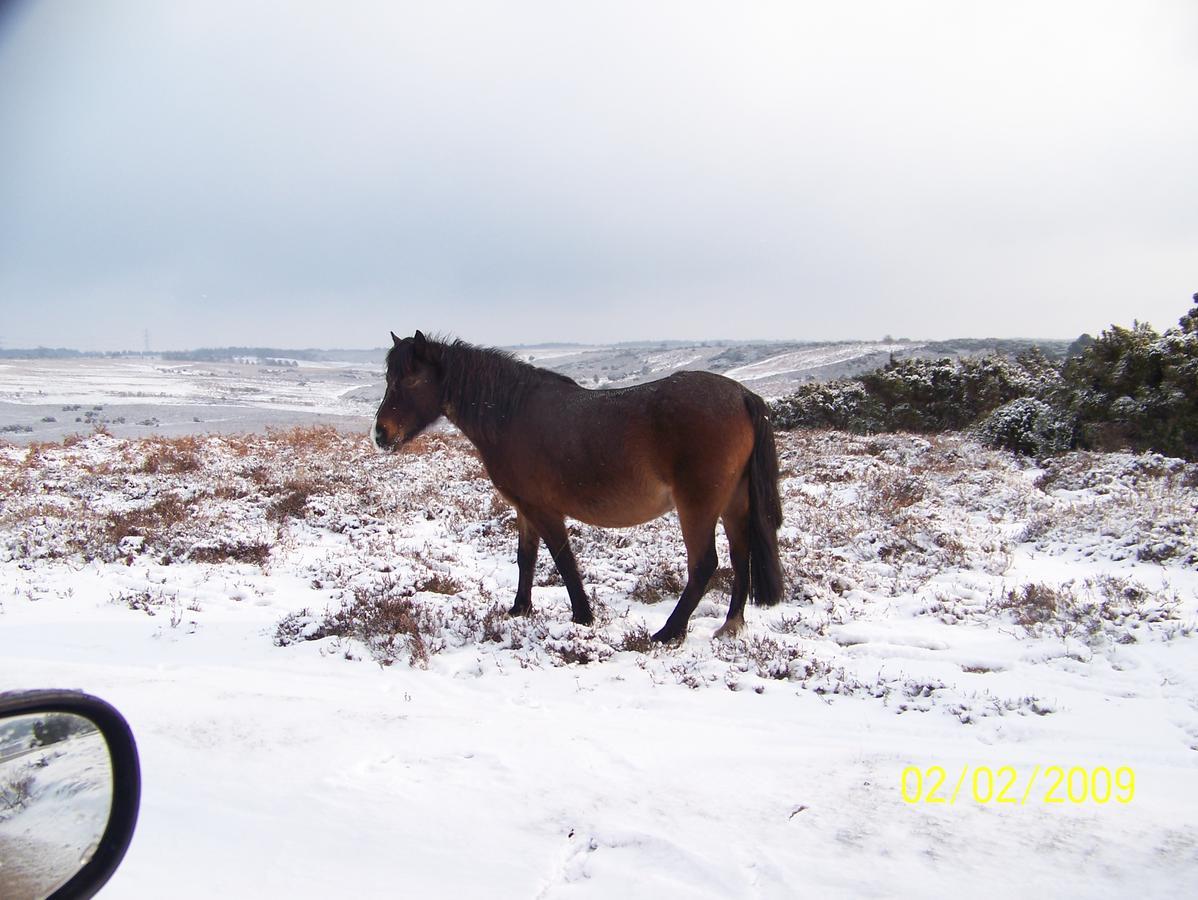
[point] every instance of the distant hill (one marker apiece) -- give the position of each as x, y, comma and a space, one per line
42, 353
228, 354
771, 368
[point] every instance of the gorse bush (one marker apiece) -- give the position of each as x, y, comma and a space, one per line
919, 395
1136, 389
1029, 426
1131, 388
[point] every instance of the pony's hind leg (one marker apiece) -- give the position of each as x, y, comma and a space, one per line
736, 526
526, 560
701, 561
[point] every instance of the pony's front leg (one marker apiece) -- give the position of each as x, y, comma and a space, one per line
557, 539
526, 559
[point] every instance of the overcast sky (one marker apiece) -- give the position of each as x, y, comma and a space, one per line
315, 174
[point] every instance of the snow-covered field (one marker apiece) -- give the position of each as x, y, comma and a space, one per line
49, 399
309, 642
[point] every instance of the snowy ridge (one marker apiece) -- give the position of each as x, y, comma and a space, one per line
810, 359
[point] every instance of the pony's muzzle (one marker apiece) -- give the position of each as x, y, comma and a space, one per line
378, 437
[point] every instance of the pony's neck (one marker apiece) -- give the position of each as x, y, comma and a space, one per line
482, 390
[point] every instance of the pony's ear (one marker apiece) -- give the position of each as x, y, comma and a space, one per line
420, 345
394, 338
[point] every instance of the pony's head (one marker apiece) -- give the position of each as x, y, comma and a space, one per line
413, 398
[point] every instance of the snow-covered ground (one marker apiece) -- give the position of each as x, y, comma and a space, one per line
314, 385
309, 642
49, 399
813, 359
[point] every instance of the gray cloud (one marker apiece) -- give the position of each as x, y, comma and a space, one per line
291, 173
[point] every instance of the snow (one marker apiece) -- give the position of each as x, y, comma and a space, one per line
813, 358
534, 758
325, 387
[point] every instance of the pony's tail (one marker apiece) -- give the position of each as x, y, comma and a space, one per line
765, 507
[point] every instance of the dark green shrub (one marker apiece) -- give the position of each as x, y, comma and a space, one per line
1130, 388
921, 395
1138, 390
841, 405
1028, 426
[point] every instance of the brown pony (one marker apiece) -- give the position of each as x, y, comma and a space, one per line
694, 441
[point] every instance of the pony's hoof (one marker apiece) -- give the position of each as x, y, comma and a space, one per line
586, 618
518, 610
729, 630
668, 637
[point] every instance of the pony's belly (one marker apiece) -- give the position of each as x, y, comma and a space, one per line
623, 512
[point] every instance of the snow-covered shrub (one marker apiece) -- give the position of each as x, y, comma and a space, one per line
1028, 426
380, 615
636, 639
935, 395
1137, 506
1104, 608
174, 456
16, 792
1133, 388
921, 395
843, 405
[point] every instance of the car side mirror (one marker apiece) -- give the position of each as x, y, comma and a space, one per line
70, 787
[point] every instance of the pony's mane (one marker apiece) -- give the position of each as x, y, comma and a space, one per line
484, 386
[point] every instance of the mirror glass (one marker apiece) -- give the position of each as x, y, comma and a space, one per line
55, 796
